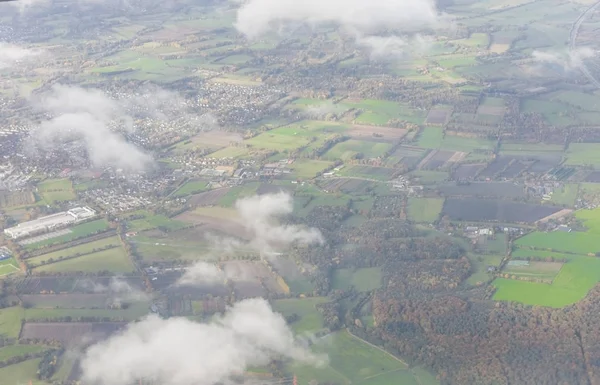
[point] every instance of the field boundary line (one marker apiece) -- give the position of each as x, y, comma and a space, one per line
378, 348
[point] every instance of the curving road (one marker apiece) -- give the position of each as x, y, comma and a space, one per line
573, 37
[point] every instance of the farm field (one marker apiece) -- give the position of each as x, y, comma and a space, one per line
77, 231
308, 168
56, 190
113, 260
481, 210
576, 277
10, 351
21, 373
581, 154
191, 187
480, 264
135, 310
155, 221
8, 266
10, 321
566, 195
424, 210
352, 148
364, 279
85, 248
353, 361
431, 137
310, 319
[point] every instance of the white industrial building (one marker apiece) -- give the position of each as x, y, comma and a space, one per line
50, 222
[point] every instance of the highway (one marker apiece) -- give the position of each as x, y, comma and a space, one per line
573, 38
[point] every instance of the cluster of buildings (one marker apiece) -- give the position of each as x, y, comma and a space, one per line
238, 104
50, 223
113, 201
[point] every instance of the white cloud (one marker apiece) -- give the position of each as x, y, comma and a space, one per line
11, 54
569, 61
260, 213
364, 19
177, 351
85, 116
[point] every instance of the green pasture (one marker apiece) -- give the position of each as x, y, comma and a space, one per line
308, 168
238, 192
10, 351
8, 266
477, 39
133, 312
310, 320
379, 112
581, 154
113, 260
351, 148
566, 195
155, 221
424, 210
479, 265
464, 144
80, 249
363, 279
21, 373
191, 187
10, 321
77, 231
56, 190
351, 361
430, 137
576, 278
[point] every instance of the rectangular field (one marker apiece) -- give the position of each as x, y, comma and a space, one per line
365, 279
363, 132
70, 332
430, 137
310, 320
85, 248
424, 210
352, 148
77, 231
113, 260
482, 210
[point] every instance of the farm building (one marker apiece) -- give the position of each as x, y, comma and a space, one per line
49, 223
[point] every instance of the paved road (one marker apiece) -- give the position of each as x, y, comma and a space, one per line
573, 40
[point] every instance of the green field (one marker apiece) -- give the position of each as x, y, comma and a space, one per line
581, 154
308, 168
351, 361
155, 221
56, 190
310, 319
424, 210
77, 231
237, 192
576, 277
480, 264
133, 312
8, 266
21, 373
114, 260
85, 248
10, 321
431, 137
191, 187
351, 148
458, 143
364, 279
19, 350
380, 112
565, 195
